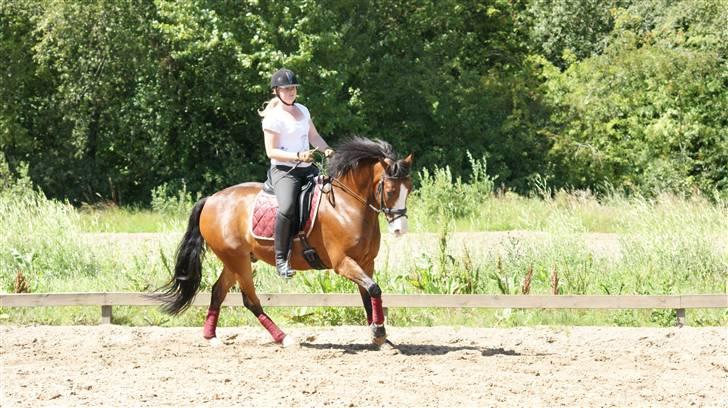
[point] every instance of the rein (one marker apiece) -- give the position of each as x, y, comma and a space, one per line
355, 195
382, 206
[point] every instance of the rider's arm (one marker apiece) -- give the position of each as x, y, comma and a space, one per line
271, 140
317, 141
315, 138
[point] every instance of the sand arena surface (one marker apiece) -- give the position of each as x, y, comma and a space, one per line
336, 366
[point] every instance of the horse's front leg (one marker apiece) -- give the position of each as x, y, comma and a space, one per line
367, 301
371, 295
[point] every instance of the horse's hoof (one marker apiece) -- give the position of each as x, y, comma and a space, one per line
379, 341
379, 334
290, 341
214, 342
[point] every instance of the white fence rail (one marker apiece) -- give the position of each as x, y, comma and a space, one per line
109, 299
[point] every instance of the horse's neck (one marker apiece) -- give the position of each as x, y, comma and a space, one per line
360, 182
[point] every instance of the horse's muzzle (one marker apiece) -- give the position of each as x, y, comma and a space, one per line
398, 227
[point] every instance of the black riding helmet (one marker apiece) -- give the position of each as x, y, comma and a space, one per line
283, 77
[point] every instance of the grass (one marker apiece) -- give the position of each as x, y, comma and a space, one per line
113, 219
576, 211
669, 245
580, 212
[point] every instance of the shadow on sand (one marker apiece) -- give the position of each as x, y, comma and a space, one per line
409, 349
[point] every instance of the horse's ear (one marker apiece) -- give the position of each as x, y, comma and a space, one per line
409, 159
386, 162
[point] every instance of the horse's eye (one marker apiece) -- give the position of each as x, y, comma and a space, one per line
390, 194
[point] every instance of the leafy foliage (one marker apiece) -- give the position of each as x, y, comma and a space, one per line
645, 115
566, 30
668, 246
108, 99
441, 198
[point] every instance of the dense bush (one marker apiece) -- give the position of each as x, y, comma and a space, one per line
106, 100
646, 114
441, 198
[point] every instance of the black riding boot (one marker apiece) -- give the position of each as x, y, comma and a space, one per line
282, 245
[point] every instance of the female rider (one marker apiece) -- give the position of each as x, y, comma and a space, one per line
288, 131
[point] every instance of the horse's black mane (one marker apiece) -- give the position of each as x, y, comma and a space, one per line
357, 149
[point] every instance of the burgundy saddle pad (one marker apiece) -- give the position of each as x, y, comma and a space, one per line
263, 218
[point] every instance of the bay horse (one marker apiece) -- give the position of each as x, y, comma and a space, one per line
367, 179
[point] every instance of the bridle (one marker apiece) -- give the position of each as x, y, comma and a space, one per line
391, 213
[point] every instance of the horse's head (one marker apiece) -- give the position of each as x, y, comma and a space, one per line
392, 182
392, 190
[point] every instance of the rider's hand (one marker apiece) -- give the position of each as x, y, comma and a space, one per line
328, 152
306, 157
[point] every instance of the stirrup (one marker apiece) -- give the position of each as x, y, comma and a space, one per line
284, 271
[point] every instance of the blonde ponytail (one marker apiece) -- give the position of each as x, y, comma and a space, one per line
269, 106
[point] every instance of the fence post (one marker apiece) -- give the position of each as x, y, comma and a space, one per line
106, 314
680, 317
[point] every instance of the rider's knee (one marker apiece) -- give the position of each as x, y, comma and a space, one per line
286, 212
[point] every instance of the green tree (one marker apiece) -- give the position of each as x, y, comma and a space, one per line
108, 99
25, 117
565, 31
645, 115
82, 65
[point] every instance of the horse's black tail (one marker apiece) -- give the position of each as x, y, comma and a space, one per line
181, 290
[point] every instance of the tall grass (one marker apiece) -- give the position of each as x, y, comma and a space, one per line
40, 239
169, 211
108, 218
668, 245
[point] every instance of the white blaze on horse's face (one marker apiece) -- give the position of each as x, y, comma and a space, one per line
399, 226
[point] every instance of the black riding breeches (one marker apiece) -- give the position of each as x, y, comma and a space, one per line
287, 185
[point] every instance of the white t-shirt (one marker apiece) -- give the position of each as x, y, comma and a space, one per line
292, 133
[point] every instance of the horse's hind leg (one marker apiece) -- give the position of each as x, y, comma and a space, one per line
219, 291
252, 302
